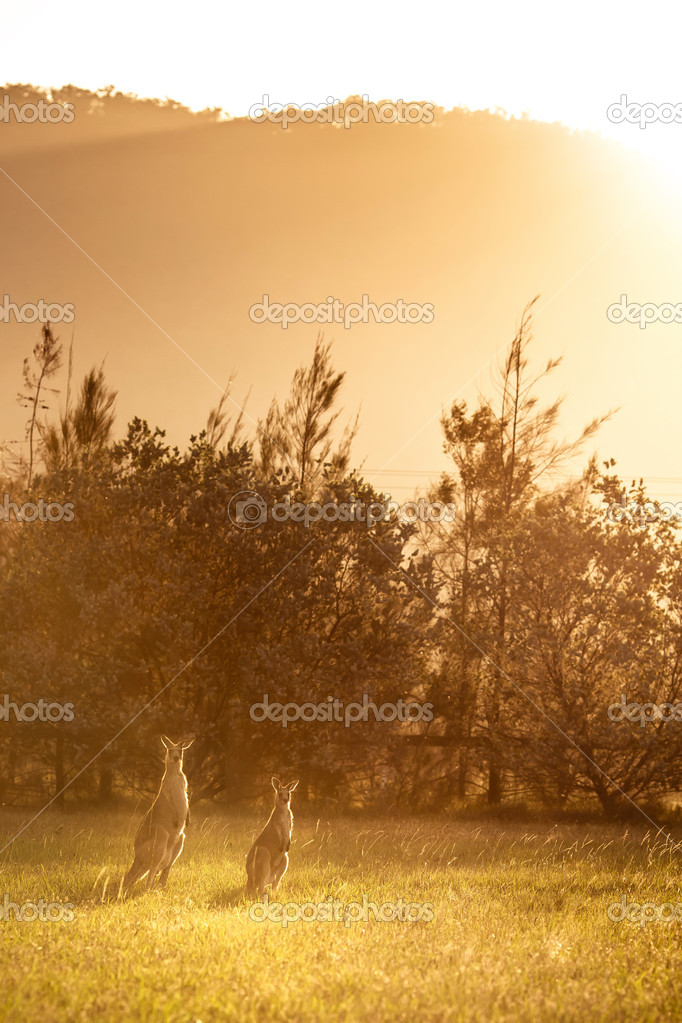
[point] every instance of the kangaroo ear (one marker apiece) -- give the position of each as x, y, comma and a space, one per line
276, 784
188, 742
166, 741
292, 785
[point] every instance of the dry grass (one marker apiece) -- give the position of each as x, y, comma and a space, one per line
520, 929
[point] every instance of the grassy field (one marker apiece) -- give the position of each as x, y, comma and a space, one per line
520, 927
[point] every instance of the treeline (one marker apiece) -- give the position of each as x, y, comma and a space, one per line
159, 606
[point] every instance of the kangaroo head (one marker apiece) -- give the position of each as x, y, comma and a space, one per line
283, 792
174, 751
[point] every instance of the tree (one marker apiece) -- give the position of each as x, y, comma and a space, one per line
84, 430
47, 359
500, 455
594, 620
299, 435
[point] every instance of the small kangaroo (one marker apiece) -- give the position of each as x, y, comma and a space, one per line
161, 834
268, 858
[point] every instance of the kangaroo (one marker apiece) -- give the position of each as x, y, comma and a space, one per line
161, 834
268, 858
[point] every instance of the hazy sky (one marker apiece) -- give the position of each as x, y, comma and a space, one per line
566, 64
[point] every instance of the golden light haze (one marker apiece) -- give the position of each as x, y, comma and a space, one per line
475, 214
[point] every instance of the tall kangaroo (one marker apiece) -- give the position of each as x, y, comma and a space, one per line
268, 858
161, 834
